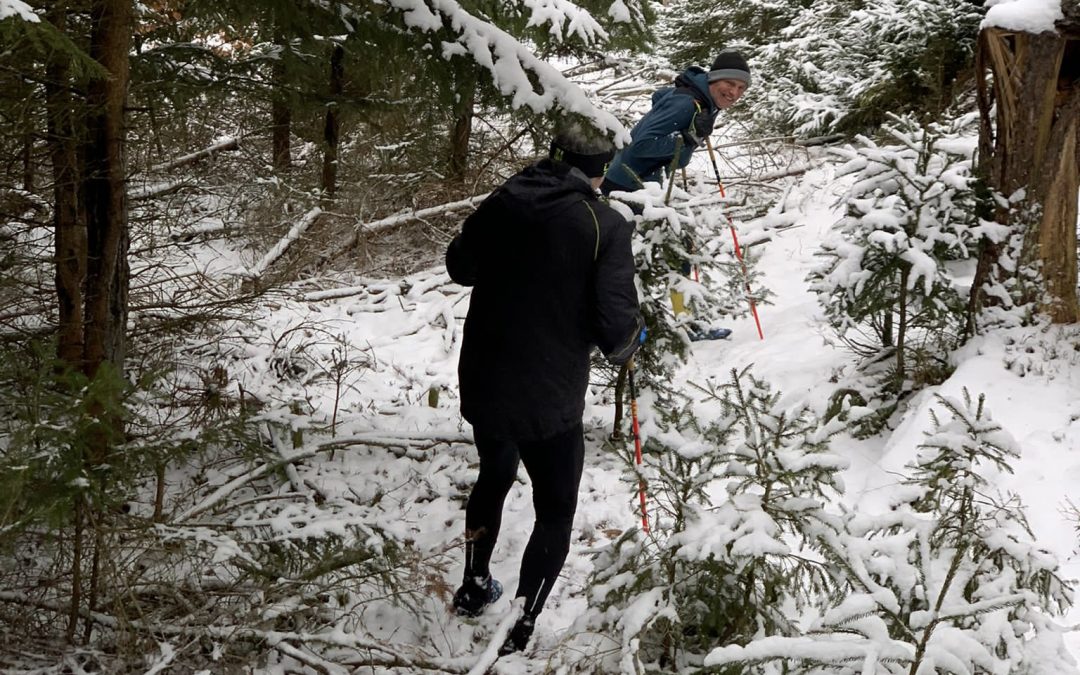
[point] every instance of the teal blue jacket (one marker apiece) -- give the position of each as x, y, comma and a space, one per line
655, 138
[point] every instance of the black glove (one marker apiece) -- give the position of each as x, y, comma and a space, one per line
700, 129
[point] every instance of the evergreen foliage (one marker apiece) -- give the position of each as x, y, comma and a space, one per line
677, 250
215, 525
885, 282
835, 65
48, 415
720, 571
844, 64
27, 42
1010, 290
950, 579
697, 29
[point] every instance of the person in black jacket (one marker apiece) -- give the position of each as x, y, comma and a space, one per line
552, 275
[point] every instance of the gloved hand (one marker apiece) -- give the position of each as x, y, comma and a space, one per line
700, 129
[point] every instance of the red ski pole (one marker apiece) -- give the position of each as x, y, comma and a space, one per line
735, 240
637, 444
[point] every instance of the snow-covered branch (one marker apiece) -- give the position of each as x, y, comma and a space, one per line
279, 249
220, 145
512, 65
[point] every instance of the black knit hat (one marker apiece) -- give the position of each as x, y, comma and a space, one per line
730, 65
583, 149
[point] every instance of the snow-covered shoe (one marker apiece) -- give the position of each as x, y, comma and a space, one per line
475, 594
519, 636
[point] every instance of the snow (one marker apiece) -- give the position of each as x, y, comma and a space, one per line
564, 15
619, 12
19, 9
510, 62
1029, 16
295, 232
1032, 382
402, 465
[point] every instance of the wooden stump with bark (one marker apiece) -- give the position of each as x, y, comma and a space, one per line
1030, 151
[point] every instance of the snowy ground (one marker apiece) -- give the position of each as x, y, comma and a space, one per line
408, 333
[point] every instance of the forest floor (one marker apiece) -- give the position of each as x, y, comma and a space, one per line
407, 331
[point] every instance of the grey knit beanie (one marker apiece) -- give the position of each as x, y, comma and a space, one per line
730, 65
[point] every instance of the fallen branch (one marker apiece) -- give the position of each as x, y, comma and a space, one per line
796, 170
821, 140
487, 659
374, 652
222, 145
299, 485
620, 80
283, 245
393, 443
764, 240
754, 141
311, 660
758, 180
393, 221
158, 189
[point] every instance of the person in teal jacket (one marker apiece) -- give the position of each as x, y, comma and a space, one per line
680, 120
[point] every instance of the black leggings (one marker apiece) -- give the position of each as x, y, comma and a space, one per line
554, 466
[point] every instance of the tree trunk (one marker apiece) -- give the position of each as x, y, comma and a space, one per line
461, 133
901, 326
28, 162
104, 199
332, 129
104, 191
1030, 151
69, 228
280, 112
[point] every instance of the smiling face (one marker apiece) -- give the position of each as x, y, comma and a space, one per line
726, 92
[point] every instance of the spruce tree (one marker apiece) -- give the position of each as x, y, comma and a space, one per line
951, 579
844, 65
697, 29
884, 282
733, 502
684, 250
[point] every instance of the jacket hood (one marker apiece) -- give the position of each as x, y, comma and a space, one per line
697, 79
538, 184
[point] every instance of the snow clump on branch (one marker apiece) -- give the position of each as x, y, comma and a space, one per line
510, 62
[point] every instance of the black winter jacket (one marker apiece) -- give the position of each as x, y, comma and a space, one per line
553, 275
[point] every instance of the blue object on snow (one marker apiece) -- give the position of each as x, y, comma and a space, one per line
710, 334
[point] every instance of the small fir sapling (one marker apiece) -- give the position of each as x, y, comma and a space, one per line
885, 280
718, 572
949, 580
